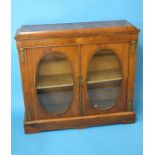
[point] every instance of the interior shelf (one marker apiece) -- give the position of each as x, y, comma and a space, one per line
65, 82
55, 82
104, 78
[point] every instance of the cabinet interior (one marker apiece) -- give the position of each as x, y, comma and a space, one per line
103, 79
55, 81
55, 75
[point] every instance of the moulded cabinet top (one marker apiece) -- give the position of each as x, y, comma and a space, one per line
74, 29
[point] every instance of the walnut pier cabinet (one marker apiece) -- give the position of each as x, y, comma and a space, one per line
76, 75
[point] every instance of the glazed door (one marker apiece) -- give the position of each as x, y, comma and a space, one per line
105, 73
54, 73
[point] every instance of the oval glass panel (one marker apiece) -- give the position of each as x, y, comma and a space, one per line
54, 83
104, 79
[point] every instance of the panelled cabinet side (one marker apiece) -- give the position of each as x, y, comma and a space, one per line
25, 84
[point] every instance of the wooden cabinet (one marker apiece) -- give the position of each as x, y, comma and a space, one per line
77, 75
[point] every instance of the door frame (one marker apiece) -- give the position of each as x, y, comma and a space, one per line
122, 52
34, 56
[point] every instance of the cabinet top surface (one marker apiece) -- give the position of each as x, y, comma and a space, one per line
74, 29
